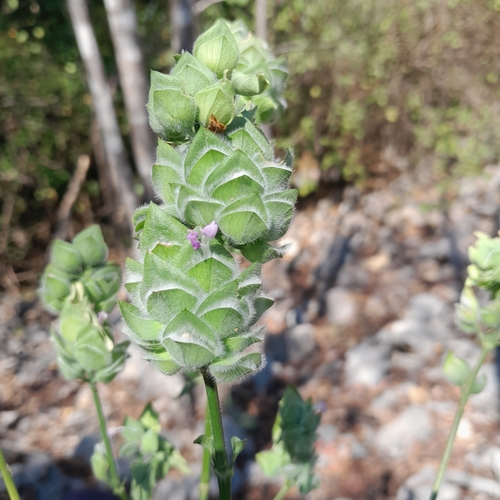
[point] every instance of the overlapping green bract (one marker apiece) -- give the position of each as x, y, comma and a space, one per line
191, 308
83, 260
256, 58
294, 434
233, 180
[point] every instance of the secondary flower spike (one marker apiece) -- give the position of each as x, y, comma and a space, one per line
210, 230
193, 239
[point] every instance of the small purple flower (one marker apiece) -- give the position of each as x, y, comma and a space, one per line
193, 239
210, 230
102, 316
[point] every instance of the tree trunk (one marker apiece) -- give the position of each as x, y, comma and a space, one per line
261, 19
182, 26
123, 26
116, 156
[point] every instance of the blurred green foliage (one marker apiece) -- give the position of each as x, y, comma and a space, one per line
46, 114
376, 81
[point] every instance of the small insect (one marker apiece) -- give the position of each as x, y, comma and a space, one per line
216, 126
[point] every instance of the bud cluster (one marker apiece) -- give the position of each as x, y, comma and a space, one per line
256, 58
151, 456
483, 273
81, 286
82, 261
193, 306
202, 89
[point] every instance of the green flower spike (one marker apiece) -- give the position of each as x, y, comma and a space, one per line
191, 309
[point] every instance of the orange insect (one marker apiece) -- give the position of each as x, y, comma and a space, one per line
216, 126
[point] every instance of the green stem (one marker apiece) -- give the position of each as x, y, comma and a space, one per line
116, 485
221, 464
283, 491
205, 471
7, 479
466, 391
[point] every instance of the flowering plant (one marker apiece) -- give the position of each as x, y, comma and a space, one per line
195, 286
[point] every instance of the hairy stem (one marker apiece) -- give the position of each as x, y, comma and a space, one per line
205, 471
7, 479
116, 485
466, 391
221, 464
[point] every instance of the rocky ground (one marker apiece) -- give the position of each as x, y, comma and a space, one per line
362, 320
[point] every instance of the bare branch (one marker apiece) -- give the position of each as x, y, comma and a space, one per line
120, 172
69, 198
123, 26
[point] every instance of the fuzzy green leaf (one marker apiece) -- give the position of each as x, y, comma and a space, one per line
262, 252
192, 73
217, 49
230, 370
91, 349
211, 274
144, 329
249, 85
91, 245
216, 101
66, 257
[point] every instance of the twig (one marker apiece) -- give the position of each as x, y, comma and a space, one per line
202, 5
7, 210
69, 198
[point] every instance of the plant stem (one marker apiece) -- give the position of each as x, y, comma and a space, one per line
7, 479
283, 491
221, 464
205, 471
466, 391
116, 485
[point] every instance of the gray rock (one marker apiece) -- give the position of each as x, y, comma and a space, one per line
327, 433
367, 363
398, 435
232, 428
300, 342
9, 419
341, 307
473, 483
185, 488
428, 307
487, 458
419, 487
486, 402
392, 396
439, 250
330, 371
408, 332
